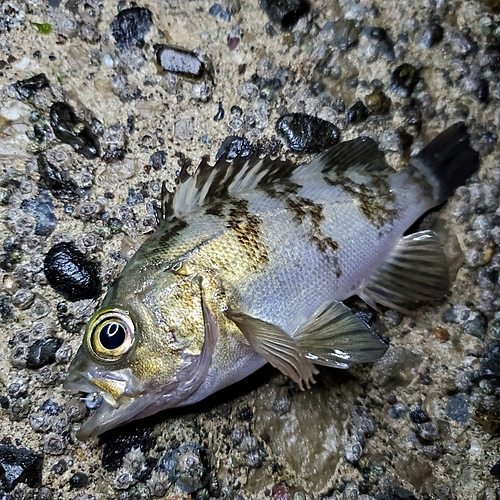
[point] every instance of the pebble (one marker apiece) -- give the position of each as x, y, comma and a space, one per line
219, 11
357, 113
495, 470
130, 27
56, 180
78, 480
187, 466
398, 410
404, 79
69, 129
29, 87
474, 323
158, 159
71, 274
377, 102
42, 209
179, 61
345, 33
482, 92
19, 465
491, 57
307, 134
418, 416
43, 352
431, 35
457, 409
384, 41
234, 146
285, 13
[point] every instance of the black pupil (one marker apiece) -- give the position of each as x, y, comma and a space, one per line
112, 335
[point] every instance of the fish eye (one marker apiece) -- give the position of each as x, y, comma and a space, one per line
111, 334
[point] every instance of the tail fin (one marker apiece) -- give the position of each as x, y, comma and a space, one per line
447, 161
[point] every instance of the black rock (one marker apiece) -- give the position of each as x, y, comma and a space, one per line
490, 362
404, 79
51, 407
78, 480
187, 466
245, 414
385, 43
42, 209
27, 88
71, 274
491, 57
69, 129
130, 27
431, 35
307, 134
158, 159
179, 61
234, 146
418, 416
57, 181
457, 409
357, 113
345, 33
6, 313
495, 470
43, 352
19, 465
482, 91
286, 13
217, 10
220, 113
120, 441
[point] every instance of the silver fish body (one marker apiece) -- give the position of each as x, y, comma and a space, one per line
250, 264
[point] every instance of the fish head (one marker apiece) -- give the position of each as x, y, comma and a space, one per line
143, 351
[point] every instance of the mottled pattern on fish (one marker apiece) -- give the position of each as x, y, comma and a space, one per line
249, 264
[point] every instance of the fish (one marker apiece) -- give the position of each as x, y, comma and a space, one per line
251, 263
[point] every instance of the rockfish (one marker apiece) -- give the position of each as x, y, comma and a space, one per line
250, 264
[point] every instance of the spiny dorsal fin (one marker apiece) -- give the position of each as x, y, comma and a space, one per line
211, 183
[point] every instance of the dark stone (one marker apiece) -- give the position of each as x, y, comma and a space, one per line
490, 362
385, 43
357, 113
491, 57
220, 113
130, 27
19, 465
118, 442
51, 407
57, 181
345, 33
134, 197
245, 414
43, 352
286, 13
179, 61
482, 91
27, 88
377, 102
158, 159
4, 402
413, 115
234, 146
431, 36
307, 134
404, 79
69, 129
398, 410
217, 10
78, 480
457, 409
71, 274
42, 209
418, 416
188, 467
495, 470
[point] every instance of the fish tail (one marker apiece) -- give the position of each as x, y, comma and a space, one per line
447, 161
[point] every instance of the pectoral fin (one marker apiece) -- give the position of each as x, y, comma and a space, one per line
416, 271
276, 347
335, 337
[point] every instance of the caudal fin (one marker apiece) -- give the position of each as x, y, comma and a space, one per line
447, 161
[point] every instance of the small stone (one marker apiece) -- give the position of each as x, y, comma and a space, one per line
234, 146
404, 79
491, 57
218, 11
184, 129
307, 134
398, 410
495, 470
19, 465
29, 87
377, 102
158, 159
285, 13
457, 409
431, 35
69, 129
442, 334
71, 274
130, 27
43, 352
220, 113
345, 33
357, 113
42, 209
398, 366
179, 61
482, 91
59, 182
418, 416
245, 414
78, 480
51, 408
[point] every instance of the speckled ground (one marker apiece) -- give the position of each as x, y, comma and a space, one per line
424, 421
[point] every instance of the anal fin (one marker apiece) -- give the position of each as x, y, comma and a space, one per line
335, 337
416, 271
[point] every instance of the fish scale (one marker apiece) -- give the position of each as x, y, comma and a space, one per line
250, 264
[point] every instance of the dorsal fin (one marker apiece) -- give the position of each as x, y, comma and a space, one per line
211, 183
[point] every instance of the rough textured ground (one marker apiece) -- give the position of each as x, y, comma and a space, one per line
423, 422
